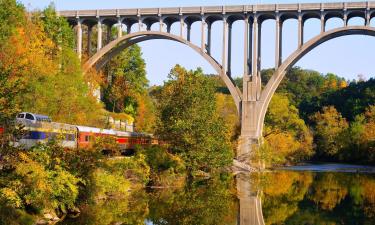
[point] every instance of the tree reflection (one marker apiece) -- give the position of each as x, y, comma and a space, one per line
284, 197
318, 198
210, 202
132, 210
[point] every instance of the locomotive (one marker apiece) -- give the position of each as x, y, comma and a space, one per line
40, 129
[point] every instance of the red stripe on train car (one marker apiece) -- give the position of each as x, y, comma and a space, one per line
122, 140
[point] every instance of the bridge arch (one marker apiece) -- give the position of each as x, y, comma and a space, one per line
279, 74
115, 47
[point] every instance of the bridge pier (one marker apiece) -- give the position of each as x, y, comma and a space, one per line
251, 131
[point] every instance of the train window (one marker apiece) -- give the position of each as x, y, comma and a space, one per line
29, 116
87, 138
21, 116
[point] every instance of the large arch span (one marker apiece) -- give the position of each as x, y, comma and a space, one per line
279, 74
253, 111
115, 47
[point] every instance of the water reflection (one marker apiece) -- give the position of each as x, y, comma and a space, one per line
318, 198
250, 203
283, 197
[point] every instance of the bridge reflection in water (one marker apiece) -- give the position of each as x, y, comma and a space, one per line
250, 204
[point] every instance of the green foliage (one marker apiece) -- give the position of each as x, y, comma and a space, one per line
57, 28
189, 121
134, 168
287, 138
13, 216
105, 184
352, 100
11, 15
39, 181
39, 71
165, 169
159, 159
107, 145
126, 80
329, 130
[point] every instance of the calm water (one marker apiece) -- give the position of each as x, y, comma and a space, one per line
320, 196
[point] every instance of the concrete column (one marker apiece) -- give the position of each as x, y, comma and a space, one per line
322, 23
139, 24
300, 31
89, 32
119, 28
79, 38
246, 49
367, 20
250, 46
278, 44
109, 33
128, 28
161, 24
188, 31
255, 63
209, 38
259, 77
203, 34
224, 53
182, 25
246, 69
100, 35
230, 49
148, 26
169, 28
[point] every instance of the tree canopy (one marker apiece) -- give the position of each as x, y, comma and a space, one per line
189, 122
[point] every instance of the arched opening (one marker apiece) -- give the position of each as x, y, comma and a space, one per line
268, 44
356, 21
115, 47
289, 37
297, 55
312, 28
176, 29
372, 22
333, 23
217, 40
195, 33
156, 27
237, 47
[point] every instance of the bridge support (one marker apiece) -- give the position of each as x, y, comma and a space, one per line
251, 130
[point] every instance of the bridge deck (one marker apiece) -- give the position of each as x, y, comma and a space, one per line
218, 9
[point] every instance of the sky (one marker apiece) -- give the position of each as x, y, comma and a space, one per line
347, 56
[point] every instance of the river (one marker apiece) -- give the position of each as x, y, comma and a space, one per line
308, 194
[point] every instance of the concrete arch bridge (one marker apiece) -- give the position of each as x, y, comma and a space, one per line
253, 101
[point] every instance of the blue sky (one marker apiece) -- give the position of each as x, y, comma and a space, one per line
346, 56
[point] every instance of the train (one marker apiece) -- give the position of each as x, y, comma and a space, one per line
40, 129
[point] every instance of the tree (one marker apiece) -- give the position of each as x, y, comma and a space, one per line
57, 28
329, 129
11, 16
287, 138
189, 123
126, 79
